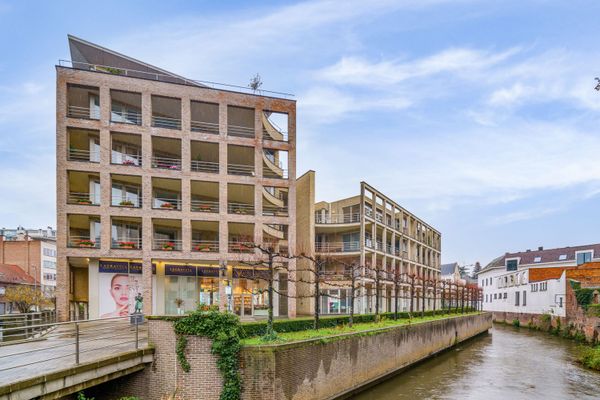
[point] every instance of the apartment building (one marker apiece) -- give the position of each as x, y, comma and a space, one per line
35, 255
532, 281
161, 180
371, 230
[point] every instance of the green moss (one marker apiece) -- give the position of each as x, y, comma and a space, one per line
590, 357
593, 310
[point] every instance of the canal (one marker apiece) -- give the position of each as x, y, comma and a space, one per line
508, 363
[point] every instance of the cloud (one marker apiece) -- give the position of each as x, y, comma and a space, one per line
523, 215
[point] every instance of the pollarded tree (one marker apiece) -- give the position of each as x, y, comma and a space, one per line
315, 267
26, 297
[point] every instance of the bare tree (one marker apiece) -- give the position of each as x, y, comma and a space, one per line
316, 269
353, 273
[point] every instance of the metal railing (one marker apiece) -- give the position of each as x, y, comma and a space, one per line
205, 127
82, 199
84, 242
24, 325
240, 208
166, 204
166, 163
275, 211
84, 155
205, 166
126, 159
166, 244
239, 247
240, 169
205, 206
337, 247
126, 117
126, 243
166, 78
267, 136
208, 246
240, 131
268, 173
83, 112
71, 343
337, 218
124, 201
166, 122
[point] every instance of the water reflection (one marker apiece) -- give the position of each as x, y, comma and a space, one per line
506, 364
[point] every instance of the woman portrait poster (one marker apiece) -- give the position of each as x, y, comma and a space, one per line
117, 290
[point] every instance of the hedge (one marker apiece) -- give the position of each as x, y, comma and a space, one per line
250, 329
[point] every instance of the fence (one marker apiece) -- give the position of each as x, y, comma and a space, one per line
24, 325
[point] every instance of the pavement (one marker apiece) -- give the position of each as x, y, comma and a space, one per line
57, 350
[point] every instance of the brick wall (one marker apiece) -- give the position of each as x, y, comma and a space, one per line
27, 254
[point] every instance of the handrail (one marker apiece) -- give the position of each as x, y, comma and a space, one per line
126, 117
83, 112
241, 131
168, 78
240, 169
337, 247
338, 218
84, 155
126, 243
125, 159
235, 246
211, 246
83, 242
275, 211
166, 244
240, 208
125, 201
82, 199
205, 206
166, 122
166, 163
206, 127
205, 166
166, 204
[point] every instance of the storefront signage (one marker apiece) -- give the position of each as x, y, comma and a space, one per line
180, 270
208, 271
120, 267
251, 273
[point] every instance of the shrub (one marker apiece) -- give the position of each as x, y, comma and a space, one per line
584, 296
590, 357
516, 323
594, 310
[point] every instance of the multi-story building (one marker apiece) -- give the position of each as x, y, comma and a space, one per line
532, 282
35, 255
12, 276
161, 181
369, 230
19, 231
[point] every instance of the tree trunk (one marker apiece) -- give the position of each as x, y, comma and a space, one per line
270, 329
317, 297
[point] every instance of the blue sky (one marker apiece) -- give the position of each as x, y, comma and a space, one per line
478, 116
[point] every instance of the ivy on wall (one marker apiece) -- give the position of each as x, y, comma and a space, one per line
224, 331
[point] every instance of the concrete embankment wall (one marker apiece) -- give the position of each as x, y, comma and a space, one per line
311, 369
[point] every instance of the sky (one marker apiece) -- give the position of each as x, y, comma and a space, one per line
480, 117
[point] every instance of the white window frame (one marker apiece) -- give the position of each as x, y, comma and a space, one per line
518, 259
584, 251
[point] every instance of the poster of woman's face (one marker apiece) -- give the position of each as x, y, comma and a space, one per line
117, 289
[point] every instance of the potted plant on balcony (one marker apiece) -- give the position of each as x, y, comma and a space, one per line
204, 207
202, 247
179, 303
127, 245
86, 243
173, 166
129, 162
168, 246
167, 206
126, 203
84, 202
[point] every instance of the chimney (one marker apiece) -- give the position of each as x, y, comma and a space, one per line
528, 250
540, 248
1, 248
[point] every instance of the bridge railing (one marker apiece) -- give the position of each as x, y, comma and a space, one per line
24, 325
69, 343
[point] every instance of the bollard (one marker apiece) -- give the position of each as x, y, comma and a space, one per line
77, 343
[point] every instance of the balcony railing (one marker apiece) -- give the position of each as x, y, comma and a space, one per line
337, 218
126, 117
166, 204
337, 247
205, 206
121, 201
267, 173
126, 159
84, 155
240, 169
83, 112
166, 122
284, 137
240, 247
275, 211
83, 199
126, 243
166, 163
205, 246
240, 208
241, 131
83, 242
166, 244
205, 127
205, 166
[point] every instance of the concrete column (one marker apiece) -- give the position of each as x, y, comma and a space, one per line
147, 284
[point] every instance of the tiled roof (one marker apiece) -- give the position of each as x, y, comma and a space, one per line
543, 274
448, 269
13, 274
546, 255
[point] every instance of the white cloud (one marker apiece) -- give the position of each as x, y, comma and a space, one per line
523, 215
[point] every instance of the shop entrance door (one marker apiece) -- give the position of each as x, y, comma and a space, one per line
242, 304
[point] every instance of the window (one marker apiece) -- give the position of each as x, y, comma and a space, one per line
562, 257
584, 257
511, 265
505, 295
543, 286
49, 264
495, 296
524, 298
560, 302
517, 298
49, 252
537, 259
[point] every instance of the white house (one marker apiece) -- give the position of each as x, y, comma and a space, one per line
450, 272
532, 282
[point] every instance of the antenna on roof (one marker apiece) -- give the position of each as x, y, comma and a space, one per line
255, 83
598, 85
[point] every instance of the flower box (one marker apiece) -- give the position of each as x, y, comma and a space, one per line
129, 162
84, 202
127, 245
173, 167
126, 203
86, 243
167, 206
203, 247
168, 246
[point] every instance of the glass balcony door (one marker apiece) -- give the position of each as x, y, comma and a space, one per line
182, 288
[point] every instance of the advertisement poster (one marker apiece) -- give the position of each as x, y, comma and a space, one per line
119, 283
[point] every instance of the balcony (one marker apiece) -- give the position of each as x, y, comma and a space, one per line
241, 237
205, 246
83, 231
126, 233
240, 122
275, 201
83, 199
166, 194
205, 117
84, 188
240, 160
166, 235
275, 126
205, 196
166, 153
83, 102
337, 247
337, 218
126, 107
240, 208
170, 163
84, 145
166, 112
205, 236
205, 206
166, 244
275, 164
205, 157
83, 242
126, 149
126, 191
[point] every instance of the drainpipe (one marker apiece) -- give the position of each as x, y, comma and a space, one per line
1, 249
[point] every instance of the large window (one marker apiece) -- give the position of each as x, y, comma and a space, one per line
511, 265
584, 257
524, 298
517, 298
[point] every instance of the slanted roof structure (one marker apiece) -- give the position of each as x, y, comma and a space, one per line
13, 274
530, 257
448, 269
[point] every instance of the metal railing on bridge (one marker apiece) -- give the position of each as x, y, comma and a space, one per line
23, 325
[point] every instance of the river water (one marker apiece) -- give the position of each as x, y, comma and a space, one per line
508, 363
